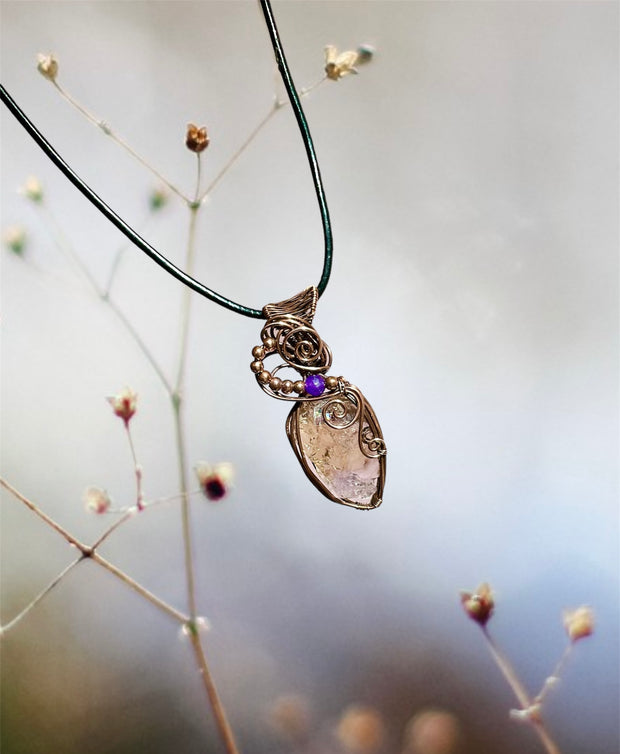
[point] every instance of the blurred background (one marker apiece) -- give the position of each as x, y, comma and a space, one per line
471, 171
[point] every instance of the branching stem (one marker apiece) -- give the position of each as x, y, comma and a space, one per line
519, 691
8, 626
106, 128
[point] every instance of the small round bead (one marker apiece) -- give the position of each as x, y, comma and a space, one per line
287, 387
298, 386
331, 383
256, 366
263, 376
258, 352
275, 383
270, 344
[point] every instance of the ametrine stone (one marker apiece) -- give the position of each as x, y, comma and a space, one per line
334, 454
314, 385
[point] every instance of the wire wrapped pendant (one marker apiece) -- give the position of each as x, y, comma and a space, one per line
332, 427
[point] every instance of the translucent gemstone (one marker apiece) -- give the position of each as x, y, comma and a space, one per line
334, 454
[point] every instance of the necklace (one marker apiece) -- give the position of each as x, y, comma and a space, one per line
332, 428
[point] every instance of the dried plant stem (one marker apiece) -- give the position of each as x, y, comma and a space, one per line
137, 469
178, 406
278, 104
67, 249
557, 671
8, 626
89, 552
105, 127
146, 352
141, 590
185, 511
219, 713
49, 521
217, 708
119, 255
125, 517
519, 691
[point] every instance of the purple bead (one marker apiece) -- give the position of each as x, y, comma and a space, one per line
314, 385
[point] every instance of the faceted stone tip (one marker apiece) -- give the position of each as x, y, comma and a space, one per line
314, 385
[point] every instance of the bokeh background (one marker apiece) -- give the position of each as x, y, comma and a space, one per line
471, 171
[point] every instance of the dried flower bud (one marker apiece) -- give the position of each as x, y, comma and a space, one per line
158, 198
432, 731
365, 53
196, 139
124, 404
215, 481
579, 623
32, 189
290, 716
47, 66
14, 238
361, 730
96, 500
341, 64
479, 605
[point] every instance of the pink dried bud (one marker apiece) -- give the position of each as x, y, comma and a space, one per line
340, 64
479, 605
579, 623
96, 500
47, 65
215, 481
196, 138
124, 404
361, 730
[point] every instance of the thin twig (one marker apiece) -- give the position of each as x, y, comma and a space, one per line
143, 591
262, 123
107, 130
555, 675
88, 551
177, 402
67, 249
130, 513
216, 705
49, 521
8, 626
520, 692
277, 105
120, 253
219, 712
137, 469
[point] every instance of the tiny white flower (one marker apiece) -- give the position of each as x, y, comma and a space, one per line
47, 66
96, 500
124, 404
340, 64
579, 623
32, 189
14, 237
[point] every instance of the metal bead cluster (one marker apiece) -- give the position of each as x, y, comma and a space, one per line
286, 387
